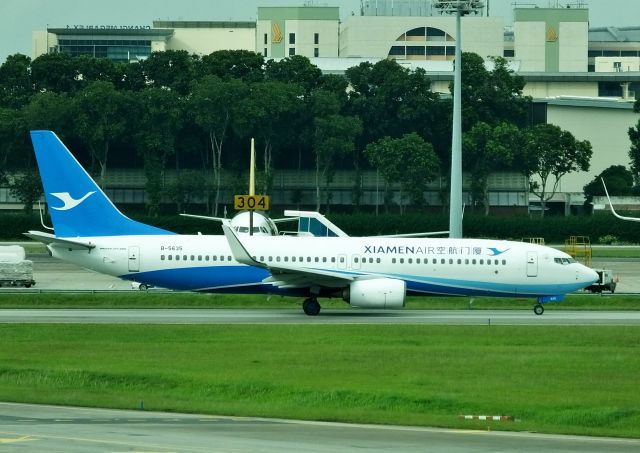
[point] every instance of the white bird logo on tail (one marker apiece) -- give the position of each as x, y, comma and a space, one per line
68, 200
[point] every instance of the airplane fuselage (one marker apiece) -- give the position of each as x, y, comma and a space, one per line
428, 266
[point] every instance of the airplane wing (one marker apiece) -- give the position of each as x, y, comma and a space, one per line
51, 239
613, 211
284, 276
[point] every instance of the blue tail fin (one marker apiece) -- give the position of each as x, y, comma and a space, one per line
78, 207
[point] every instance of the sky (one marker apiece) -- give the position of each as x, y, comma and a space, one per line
19, 18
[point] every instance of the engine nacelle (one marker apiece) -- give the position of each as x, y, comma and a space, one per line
376, 293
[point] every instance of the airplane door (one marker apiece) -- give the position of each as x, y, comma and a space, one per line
532, 264
134, 255
355, 262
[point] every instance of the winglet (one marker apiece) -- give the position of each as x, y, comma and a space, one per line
613, 211
238, 250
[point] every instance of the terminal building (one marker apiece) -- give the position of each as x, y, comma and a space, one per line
582, 79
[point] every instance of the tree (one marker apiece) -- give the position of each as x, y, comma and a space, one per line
159, 122
101, 114
487, 149
90, 69
172, 69
634, 151
491, 96
553, 152
27, 188
16, 87
214, 104
50, 111
619, 181
408, 161
294, 69
266, 114
233, 64
334, 137
54, 72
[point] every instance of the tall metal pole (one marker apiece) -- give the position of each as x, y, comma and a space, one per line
455, 198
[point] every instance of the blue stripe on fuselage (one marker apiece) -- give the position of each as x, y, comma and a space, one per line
248, 279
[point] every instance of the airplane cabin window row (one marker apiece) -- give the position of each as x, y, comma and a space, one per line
342, 259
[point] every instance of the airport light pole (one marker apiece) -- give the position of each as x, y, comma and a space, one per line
459, 8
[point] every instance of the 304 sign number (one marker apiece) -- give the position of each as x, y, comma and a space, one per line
251, 202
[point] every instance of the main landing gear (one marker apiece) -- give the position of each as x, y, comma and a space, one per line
311, 306
538, 309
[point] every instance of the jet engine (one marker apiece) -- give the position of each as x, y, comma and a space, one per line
376, 293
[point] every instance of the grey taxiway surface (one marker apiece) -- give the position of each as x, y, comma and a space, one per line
39, 428
36, 428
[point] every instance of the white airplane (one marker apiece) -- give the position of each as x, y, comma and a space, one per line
613, 211
367, 272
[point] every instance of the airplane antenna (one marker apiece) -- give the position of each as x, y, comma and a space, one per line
613, 211
42, 218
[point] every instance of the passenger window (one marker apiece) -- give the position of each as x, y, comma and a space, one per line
308, 259
184, 257
262, 258
177, 257
324, 259
450, 260
206, 257
193, 257
278, 259
435, 261
293, 259
459, 261
199, 257
393, 261
401, 260
271, 258
473, 261
162, 257
221, 257
504, 262
481, 261
378, 260
442, 261
466, 261
317, 259
417, 260
214, 258
355, 260
410, 261
170, 257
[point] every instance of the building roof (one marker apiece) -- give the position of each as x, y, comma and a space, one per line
97, 31
201, 24
614, 34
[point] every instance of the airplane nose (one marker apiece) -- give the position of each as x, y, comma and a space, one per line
589, 275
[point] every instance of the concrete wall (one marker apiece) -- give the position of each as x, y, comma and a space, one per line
373, 36
203, 41
605, 127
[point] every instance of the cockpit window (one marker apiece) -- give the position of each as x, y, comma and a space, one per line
564, 261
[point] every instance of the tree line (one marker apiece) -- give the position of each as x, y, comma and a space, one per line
196, 114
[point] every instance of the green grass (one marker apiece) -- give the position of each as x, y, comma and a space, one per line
580, 380
152, 299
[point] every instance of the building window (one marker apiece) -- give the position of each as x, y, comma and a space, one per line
292, 38
265, 52
316, 38
265, 38
292, 51
509, 53
316, 52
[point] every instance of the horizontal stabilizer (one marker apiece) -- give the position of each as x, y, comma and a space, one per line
51, 239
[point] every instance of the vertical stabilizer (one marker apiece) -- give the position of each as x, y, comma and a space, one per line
77, 206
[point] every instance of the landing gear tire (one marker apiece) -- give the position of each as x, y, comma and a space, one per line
143, 287
538, 309
311, 307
